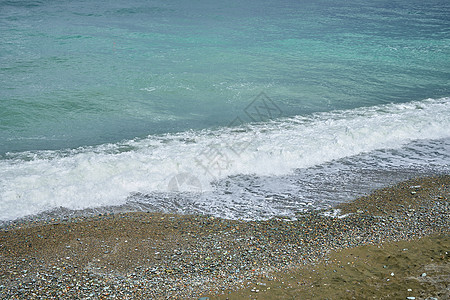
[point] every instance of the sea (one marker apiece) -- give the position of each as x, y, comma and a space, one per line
235, 109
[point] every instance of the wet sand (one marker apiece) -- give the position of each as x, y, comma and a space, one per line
150, 255
418, 268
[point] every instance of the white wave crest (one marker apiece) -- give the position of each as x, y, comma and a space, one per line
106, 175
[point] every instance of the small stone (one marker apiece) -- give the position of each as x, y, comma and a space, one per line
392, 274
410, 298
423, 274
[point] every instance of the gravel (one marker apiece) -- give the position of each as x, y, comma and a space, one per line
152, 255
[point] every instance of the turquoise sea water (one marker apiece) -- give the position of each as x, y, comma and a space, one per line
116, 103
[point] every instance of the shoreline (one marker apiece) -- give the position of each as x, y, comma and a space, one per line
161, 256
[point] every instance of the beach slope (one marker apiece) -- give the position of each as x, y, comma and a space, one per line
316, 255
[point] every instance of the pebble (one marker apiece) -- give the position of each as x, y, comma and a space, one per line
191, 256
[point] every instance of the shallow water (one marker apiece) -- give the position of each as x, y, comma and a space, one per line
235, 109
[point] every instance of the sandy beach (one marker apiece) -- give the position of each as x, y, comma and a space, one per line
356, 253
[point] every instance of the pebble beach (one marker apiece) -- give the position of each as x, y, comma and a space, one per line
224, 150
146, 255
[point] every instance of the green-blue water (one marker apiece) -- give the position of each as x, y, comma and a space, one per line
76, 73
101, 101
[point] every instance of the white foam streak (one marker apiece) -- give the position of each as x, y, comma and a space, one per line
108, 174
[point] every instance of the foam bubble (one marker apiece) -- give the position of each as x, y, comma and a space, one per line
32, 182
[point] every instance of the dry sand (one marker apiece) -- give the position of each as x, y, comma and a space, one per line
149, 255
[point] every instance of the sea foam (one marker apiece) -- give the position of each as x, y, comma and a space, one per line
109, 174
